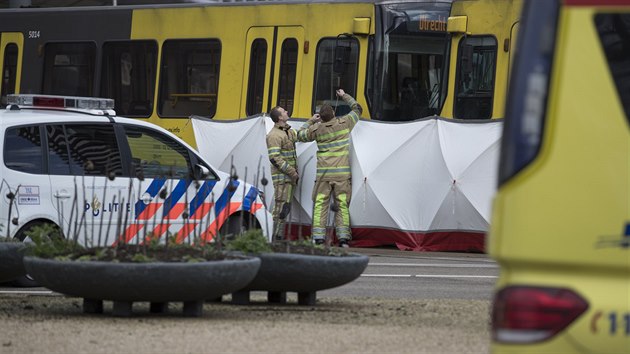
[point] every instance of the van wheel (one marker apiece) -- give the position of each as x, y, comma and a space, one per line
27, 281
234, 226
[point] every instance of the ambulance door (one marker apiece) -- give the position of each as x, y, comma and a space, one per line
11, 49
274, 68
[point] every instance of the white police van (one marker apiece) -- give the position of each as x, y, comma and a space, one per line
102, 179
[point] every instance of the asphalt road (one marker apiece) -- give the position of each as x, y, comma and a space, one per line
422, 275
404, 303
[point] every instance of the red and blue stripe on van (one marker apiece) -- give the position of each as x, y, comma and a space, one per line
199, 207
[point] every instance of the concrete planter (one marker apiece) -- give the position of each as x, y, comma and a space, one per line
11, 265
280, 273
155, 282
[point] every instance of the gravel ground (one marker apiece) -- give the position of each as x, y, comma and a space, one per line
56, 324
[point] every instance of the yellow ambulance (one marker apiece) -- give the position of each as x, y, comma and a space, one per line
561, 221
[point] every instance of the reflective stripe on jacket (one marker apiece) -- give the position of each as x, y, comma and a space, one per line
333, 142
281, 148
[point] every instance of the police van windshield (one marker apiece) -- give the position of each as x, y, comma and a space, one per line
407, 76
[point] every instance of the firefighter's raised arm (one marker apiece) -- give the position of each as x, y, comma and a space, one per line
356, 110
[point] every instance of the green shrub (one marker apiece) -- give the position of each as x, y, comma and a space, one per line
251, 241
48, 242
141, 258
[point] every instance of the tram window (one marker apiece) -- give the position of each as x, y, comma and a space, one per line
412, 88
328, 80
474, 91
288, 65
9, 72
69, 69
614, 33
256, 84
189, 78
128, 76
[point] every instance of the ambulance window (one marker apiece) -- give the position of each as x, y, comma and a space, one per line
9, 72
128, 76
288, 65
69, 69
474, 91
156, 155
23, 149
189, 78
614, 34
83, 150
256, 85
337, 67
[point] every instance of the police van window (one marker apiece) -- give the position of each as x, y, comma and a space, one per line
189, 78
128, 76
256, 84
288, 65
476, 67
614, 34
69, 69
156, 155
83, 150
9, 72
23, 149
337, 66
58, 154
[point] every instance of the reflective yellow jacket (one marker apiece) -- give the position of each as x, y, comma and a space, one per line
281, 148
333, 142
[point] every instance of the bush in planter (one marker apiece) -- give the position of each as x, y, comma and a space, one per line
126, 273
295, 266
254, 242
48, 242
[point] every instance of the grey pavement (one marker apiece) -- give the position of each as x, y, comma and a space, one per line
338, 323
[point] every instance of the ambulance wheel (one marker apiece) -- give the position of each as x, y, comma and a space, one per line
26, 281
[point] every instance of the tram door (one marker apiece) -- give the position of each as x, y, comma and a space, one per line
273, 69
11, 47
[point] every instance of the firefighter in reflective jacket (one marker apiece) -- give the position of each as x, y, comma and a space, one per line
332, 135
281, 148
